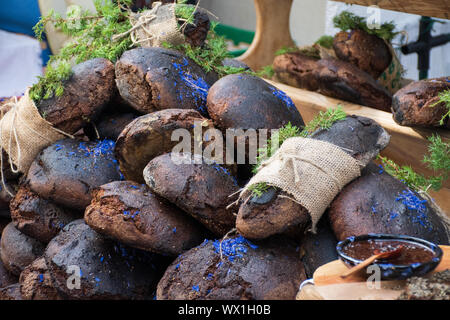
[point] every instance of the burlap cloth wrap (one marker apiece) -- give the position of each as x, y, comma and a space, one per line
152, 28
24, 133
313, 172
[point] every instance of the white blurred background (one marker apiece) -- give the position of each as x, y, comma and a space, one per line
311, 19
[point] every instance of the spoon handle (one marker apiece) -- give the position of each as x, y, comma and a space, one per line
360, 266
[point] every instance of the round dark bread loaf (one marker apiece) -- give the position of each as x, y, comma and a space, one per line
243, 101
86, 93
235, 269
151, 135
135, 216
203, 190
151, 79
366, 51
38, 218
67, 171
105, 269
343, 80
18, 250
376, 202
417, 103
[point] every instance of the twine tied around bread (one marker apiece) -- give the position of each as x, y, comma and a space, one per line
311, 172
152, 28
23, 134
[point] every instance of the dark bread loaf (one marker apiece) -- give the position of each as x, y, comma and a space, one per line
416, 104
86, 93
105, 269
203, 190
151, 79
67, 171
342, 80
38, 218
36, 283
366, 51
297, 70
241, 270
135, 216
18, 250
378, 203
151, 135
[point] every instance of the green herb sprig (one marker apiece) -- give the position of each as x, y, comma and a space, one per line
325, 41
349, 21
438, 160
444, 97
91, 36
211, 55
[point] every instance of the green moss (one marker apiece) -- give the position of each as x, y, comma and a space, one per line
52, 82
265, 72
258, 189
444, 97
324, 120
348, 21
438, 159
285, 50
185, 12
325, 41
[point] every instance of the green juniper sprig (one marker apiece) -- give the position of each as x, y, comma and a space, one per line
324, 120
265, 72
91, 36
52, 82
444, 97
185, 12
258, 189
349, 21
438, 159
325, 41
210, 55
285, 50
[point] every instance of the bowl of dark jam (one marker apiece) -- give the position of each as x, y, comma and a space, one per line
417, 257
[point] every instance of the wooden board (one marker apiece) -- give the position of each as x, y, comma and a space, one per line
330, 273
407, 145
272, 32
430, 8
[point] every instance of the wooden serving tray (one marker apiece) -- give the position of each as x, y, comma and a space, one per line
330, 273
430, 8
407, 145
328, 285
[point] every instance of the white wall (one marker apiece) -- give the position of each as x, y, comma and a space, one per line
307, 16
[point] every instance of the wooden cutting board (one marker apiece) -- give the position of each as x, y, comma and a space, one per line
330, 273
328, 285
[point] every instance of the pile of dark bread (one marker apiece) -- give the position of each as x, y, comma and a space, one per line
111, 215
